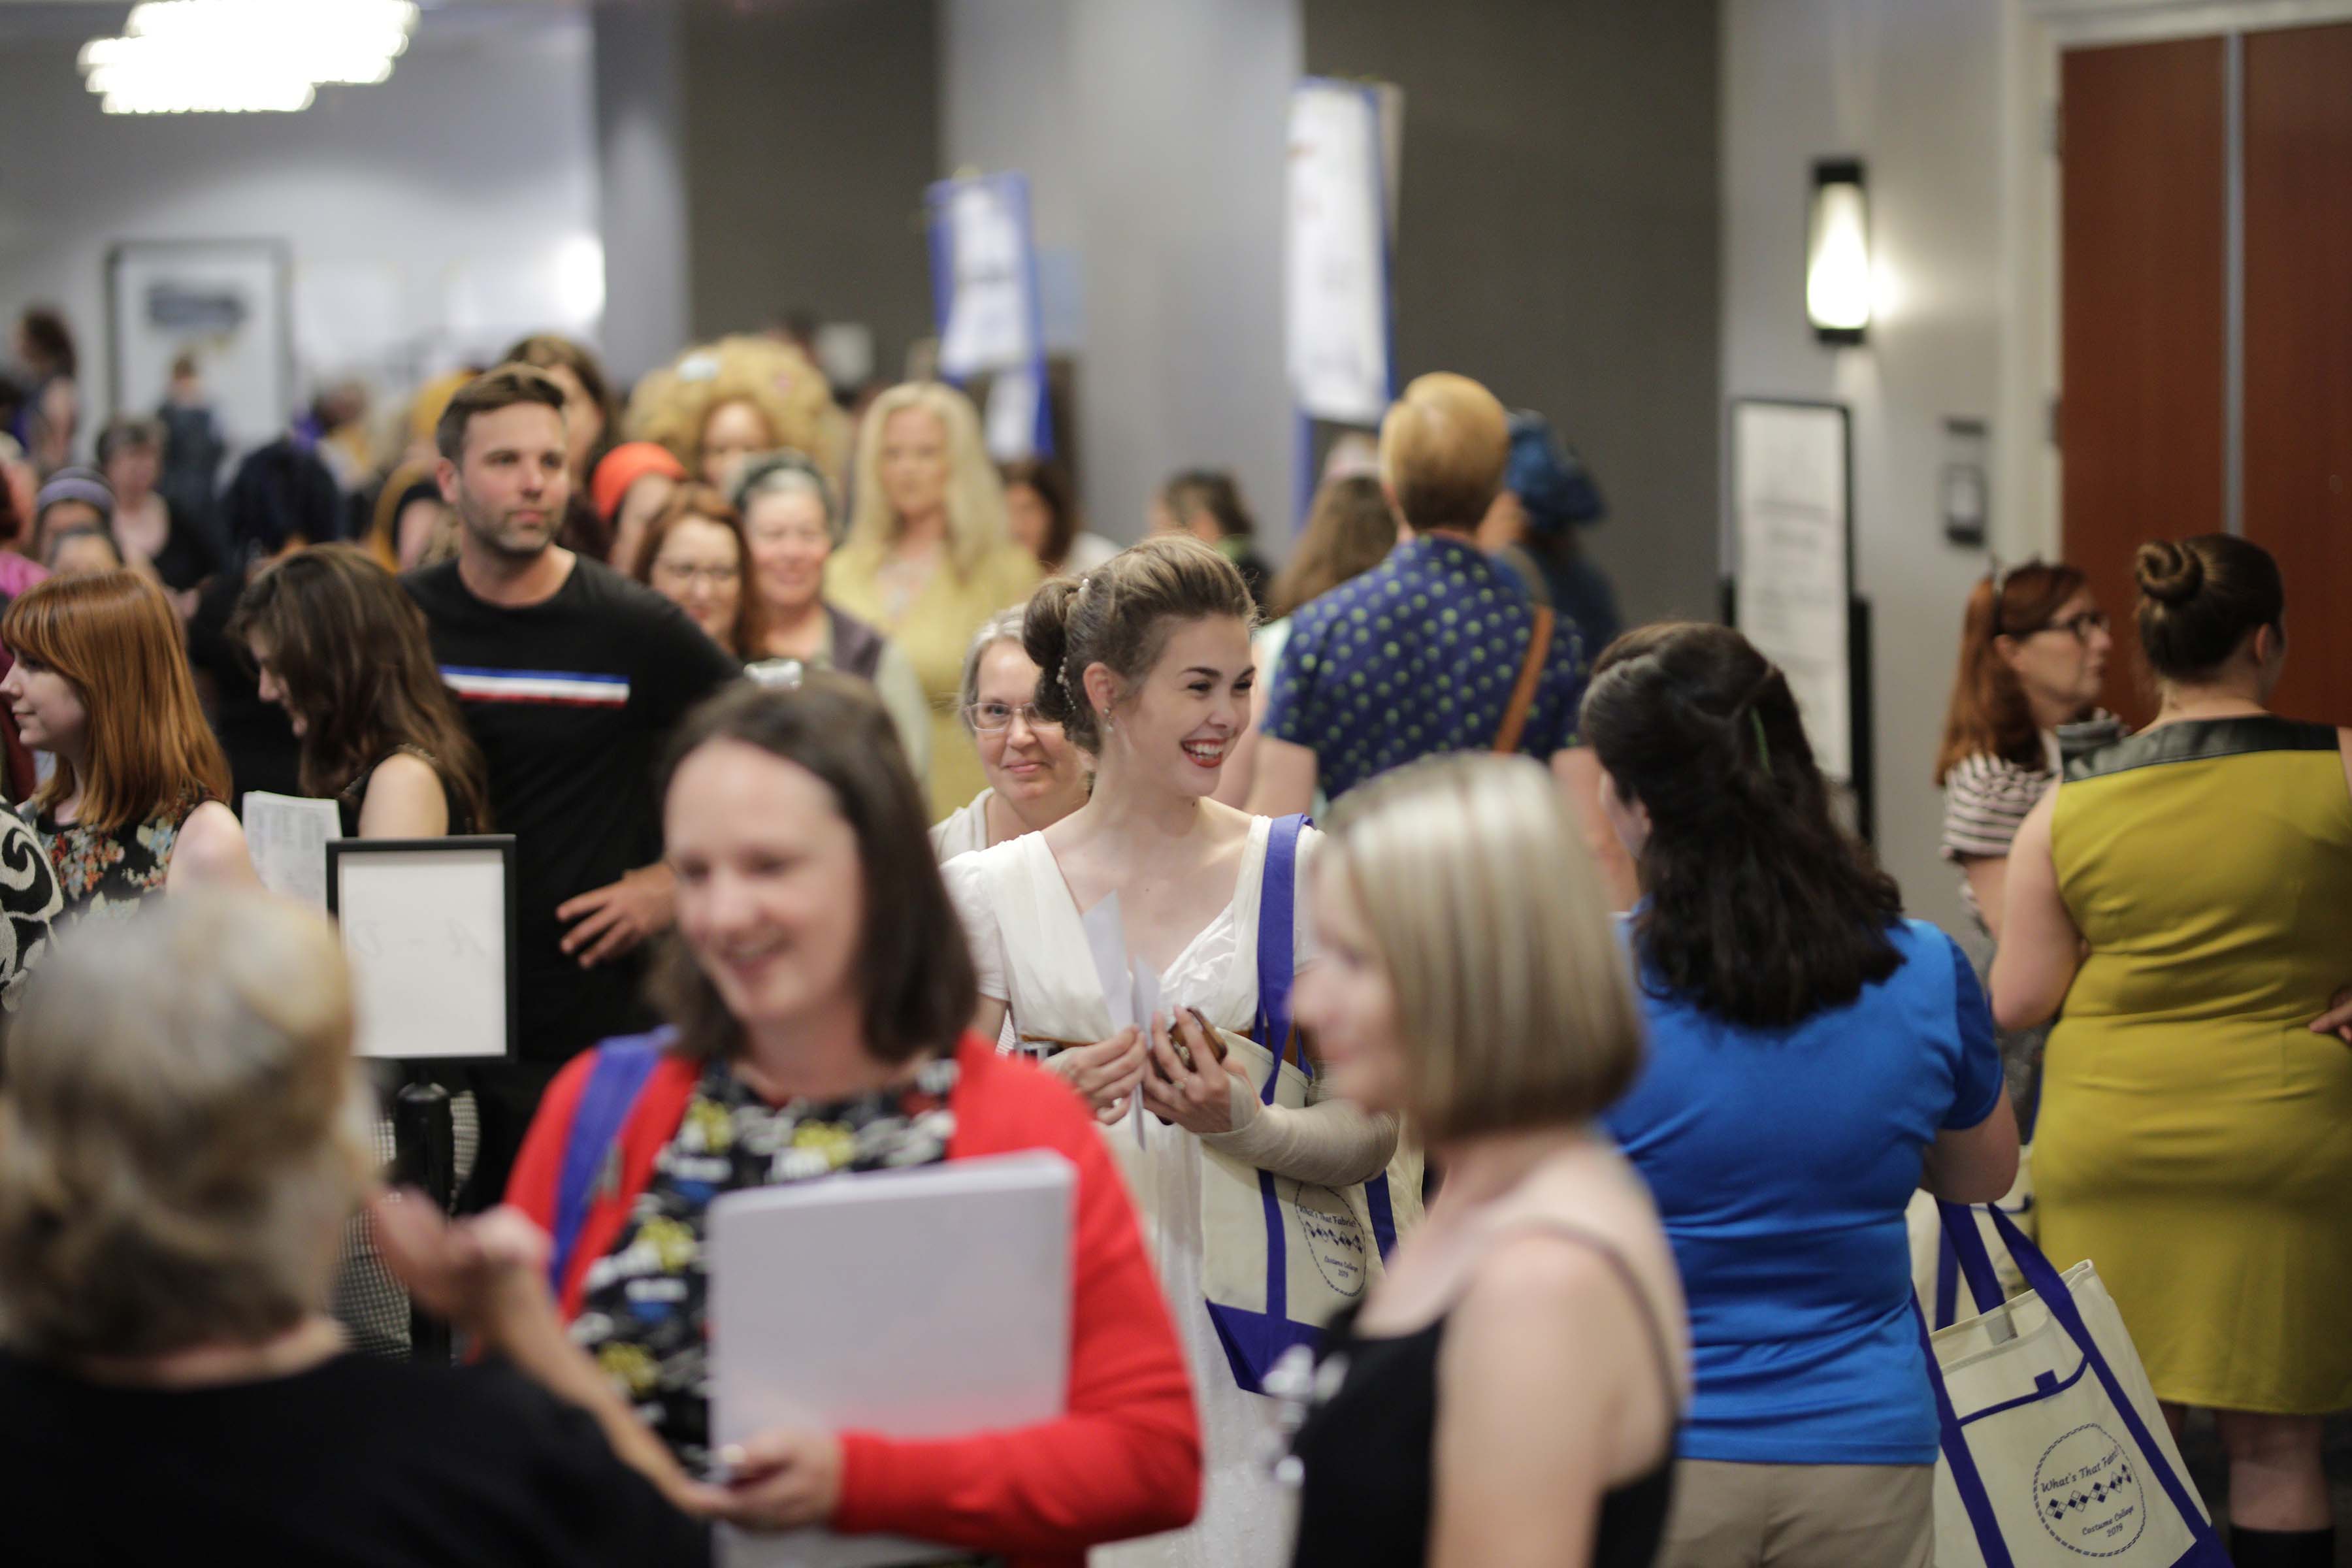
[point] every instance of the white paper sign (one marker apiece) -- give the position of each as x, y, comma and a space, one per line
424, 927
991, 315
287, 835
1790, 518
1335, 261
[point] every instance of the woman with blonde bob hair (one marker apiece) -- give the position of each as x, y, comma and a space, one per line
181, 1143
1510, 1390
136, 805
929, 556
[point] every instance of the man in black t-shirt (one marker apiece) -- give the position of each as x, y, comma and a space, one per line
571, 678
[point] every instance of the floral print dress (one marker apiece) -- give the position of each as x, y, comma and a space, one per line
104, 876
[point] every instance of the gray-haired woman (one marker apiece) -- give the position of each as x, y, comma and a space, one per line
180, 1141
791, 523
1035, 777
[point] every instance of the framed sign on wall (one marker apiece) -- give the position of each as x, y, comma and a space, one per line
1791, 542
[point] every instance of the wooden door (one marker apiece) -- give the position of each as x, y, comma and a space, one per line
2298, 348
2142, 315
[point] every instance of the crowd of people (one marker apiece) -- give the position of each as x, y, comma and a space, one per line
1602, 1054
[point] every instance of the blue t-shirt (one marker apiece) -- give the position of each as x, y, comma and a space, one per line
1781, 1161
1416, 656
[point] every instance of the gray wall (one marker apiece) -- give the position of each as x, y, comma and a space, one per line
1916, 88
1152, 135
641, 184
810, 131
1557, 239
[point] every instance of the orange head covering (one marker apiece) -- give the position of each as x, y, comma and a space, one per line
623, 465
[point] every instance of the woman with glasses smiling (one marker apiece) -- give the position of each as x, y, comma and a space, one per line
694, 556
1035, 777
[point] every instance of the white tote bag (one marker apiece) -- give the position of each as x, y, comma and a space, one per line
2054, 1451
1936, 1267
1280, 1256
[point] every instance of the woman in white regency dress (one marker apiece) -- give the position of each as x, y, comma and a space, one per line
1160, 731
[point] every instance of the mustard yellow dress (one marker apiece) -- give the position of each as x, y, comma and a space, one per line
934, 629
2195, 1139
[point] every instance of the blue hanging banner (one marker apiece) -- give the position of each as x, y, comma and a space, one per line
984, 303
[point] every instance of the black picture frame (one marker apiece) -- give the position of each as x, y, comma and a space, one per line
341, 850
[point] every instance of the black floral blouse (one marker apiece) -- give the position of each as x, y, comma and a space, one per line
643, 1304
103, 876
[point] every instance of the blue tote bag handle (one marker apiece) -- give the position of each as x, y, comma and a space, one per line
1960, 1226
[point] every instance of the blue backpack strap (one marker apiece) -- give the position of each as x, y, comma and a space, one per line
1277, 961
614, 1081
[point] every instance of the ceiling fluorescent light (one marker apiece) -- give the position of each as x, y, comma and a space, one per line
199, 57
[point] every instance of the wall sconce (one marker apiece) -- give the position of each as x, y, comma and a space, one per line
1837, 253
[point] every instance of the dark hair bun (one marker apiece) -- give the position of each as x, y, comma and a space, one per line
2167, 573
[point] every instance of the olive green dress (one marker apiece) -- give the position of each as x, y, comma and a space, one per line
2196, 1138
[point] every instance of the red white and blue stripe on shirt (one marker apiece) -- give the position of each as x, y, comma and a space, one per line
555, 687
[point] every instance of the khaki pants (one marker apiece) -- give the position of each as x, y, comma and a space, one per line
1801, 1516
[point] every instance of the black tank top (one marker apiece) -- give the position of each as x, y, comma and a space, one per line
1365, 1452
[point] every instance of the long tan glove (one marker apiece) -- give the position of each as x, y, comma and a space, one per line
1330, 1143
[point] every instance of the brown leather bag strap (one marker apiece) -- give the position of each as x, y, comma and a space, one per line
1523, 695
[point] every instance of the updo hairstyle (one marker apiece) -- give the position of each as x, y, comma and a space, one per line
1120, 615
2201, 598
180, 1133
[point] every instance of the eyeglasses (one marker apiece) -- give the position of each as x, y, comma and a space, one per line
995, 718
2081, 626
717, 576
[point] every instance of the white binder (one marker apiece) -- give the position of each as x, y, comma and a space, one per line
924, 1303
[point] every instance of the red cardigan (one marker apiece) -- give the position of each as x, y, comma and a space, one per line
1124, 1460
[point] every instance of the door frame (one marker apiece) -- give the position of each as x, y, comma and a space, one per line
2027, 519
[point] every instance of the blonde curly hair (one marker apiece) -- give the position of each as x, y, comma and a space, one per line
672, 405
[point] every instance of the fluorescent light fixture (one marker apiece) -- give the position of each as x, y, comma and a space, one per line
240, 57
1837, 253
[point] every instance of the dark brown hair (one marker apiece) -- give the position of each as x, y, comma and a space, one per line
913, 969
50, 339
1119, 616
1211, 491
502, 386
704, 504
2201, 598
114, 637
1053, 488
1989, 714
1758, 905
549, 350
351, 649
1350, 530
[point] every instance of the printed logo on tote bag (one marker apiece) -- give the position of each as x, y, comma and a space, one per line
1330, 1234
2087, 1494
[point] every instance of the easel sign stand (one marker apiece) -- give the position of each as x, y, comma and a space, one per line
428, 929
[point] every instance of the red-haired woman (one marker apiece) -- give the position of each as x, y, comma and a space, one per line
135, 805
2033, 654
